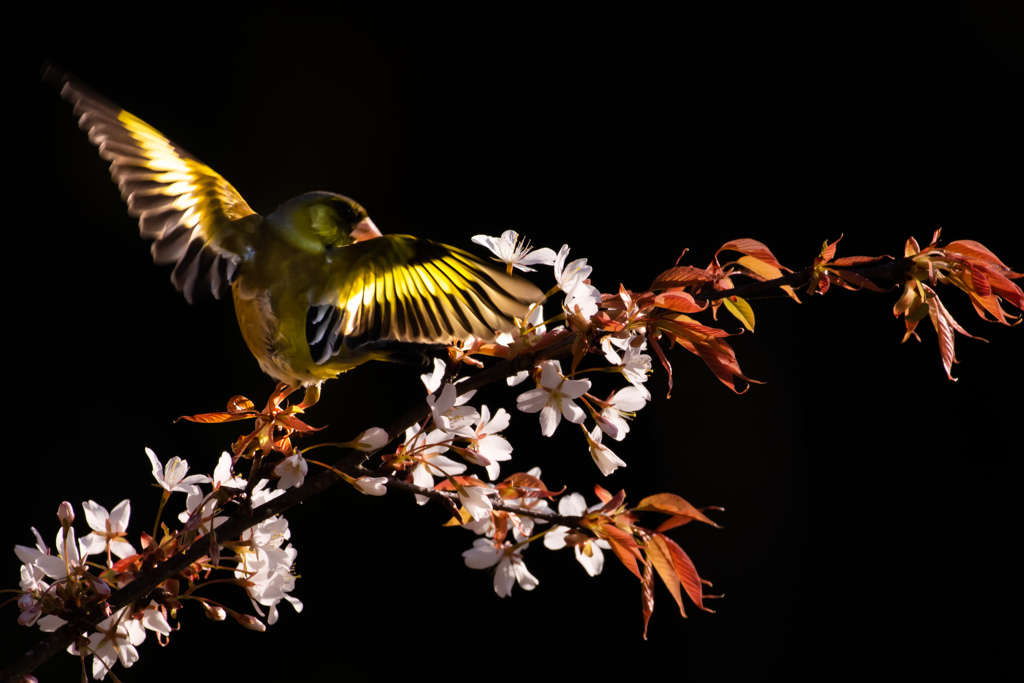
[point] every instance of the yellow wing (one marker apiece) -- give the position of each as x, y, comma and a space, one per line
195, 218
405, 289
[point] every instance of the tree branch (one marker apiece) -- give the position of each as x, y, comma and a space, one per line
351, 463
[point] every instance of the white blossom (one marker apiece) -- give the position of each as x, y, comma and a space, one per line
493, 447
107, 528
588, 550
553, 399
172, 477
622, 404
292, 471
427, 448
568, 276
606, 461
449, 416
476, 500
510, 567
515, 252
114, 640
432, 381
636, 367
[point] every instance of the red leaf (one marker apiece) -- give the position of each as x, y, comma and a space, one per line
602, 493
975, 250
522, 479
686, 572
240, 404
701, 340
679, 301
945, 325
682, 276
859, 260
660, 556
615, 502
215, 418
647, 595
624, 547
295, 424
664, 362
671, 504
751, 248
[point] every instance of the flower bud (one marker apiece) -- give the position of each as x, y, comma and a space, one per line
251, 622
214, 612
28, 616
66, 514
372, 486
26, 601
372, 439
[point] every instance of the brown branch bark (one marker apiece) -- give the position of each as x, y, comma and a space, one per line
894, 271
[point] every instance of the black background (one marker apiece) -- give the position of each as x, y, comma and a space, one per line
869, 519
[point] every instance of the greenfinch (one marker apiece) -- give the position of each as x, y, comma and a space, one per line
318, 290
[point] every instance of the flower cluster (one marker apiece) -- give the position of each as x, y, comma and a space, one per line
56, 586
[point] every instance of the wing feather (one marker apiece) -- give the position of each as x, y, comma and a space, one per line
195, 218
404, 289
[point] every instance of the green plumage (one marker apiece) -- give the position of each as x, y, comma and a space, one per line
317, 288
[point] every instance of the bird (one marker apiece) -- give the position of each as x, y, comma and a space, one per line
317, 288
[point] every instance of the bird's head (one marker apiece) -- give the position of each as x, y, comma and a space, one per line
317, 220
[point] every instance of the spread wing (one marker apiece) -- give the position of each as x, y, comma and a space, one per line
405, 289
195, 218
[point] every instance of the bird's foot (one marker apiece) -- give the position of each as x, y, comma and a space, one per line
309, 399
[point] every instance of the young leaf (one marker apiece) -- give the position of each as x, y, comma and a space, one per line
671, 504
740, 310
686, 572
659, 555
647, 595
624, 547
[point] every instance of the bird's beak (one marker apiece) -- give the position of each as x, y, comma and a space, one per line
364, 230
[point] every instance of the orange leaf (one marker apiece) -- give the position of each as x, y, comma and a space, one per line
767, 272
686, 572
702, 340
615, 502
660, 556
664, 362
682, 276
215, 418
240, 404
974, 250
945, 325
859, 260
647, 595
624, 547
751, 248
671, 504
524, 480
678, 301
603, 494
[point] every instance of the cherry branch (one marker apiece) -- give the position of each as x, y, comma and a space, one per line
895, 271
351, 463
452, 496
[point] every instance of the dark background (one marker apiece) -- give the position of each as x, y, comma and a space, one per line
869, 519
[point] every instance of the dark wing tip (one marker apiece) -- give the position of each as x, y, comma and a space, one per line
54, 75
